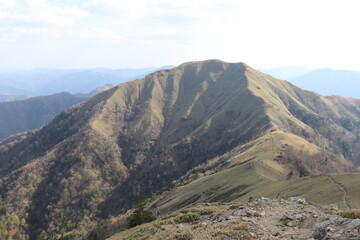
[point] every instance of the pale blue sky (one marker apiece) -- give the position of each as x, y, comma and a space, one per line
144, 33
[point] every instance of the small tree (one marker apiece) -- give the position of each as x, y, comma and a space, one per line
140, 215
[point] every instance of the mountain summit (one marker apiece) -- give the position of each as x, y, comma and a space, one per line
94, 160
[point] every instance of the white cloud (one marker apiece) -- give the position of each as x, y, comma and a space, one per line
260, 32
142, 11
37, 13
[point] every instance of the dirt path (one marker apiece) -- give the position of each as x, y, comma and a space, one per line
343, 189
285, 219
272, 144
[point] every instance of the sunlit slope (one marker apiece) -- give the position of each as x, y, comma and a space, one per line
330, 122
219, 129
268, 166
94, 160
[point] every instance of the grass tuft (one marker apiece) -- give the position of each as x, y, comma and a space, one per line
351, 213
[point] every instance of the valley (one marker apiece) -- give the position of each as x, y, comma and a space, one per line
207, 131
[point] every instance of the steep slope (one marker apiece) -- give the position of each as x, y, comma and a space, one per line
206, 118
329, 122
97, 158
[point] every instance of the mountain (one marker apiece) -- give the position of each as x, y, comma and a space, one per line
95, 91
10, 97
330, 82
50, 81
211, 131
21, 116
286, 72
5, 90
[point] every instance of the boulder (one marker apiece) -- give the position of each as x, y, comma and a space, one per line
299, 200
332, 207
338, 228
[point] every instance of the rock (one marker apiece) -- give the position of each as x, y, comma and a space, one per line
330, 229
337, 228
205, 218
299, 200
332, 207
336, 236
276, 234
290, 224
293, 216
181, 226
225, 237
259, 214
354, 233
252, 234
245, 219
244, 212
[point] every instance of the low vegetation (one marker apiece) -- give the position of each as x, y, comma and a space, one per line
202, 132
351, 213
140, 215
186, 224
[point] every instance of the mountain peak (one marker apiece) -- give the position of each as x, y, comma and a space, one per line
209, 118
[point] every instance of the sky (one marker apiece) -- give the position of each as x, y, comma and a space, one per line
154, 33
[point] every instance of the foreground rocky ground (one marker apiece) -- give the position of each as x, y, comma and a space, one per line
295, 219
257, 219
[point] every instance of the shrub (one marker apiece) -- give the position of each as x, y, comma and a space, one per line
140, 215
187, 218
351, 213
184, 236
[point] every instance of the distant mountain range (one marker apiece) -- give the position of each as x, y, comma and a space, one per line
17, 84
286, 72
327, 82
205, 131
25, 115
22, 84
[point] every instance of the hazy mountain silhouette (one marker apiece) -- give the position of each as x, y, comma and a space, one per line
38, 82
329, 82
286, 73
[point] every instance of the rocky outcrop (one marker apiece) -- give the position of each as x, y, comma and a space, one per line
338, 228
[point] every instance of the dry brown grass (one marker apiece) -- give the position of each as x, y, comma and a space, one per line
351, 213
168, 227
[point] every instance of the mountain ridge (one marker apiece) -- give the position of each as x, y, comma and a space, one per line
95, 159
28, 114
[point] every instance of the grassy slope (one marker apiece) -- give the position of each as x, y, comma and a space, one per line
319, 190
261, 167
263, 176
330, 122
164, 227
96, 159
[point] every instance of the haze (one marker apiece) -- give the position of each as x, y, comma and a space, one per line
143, 33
